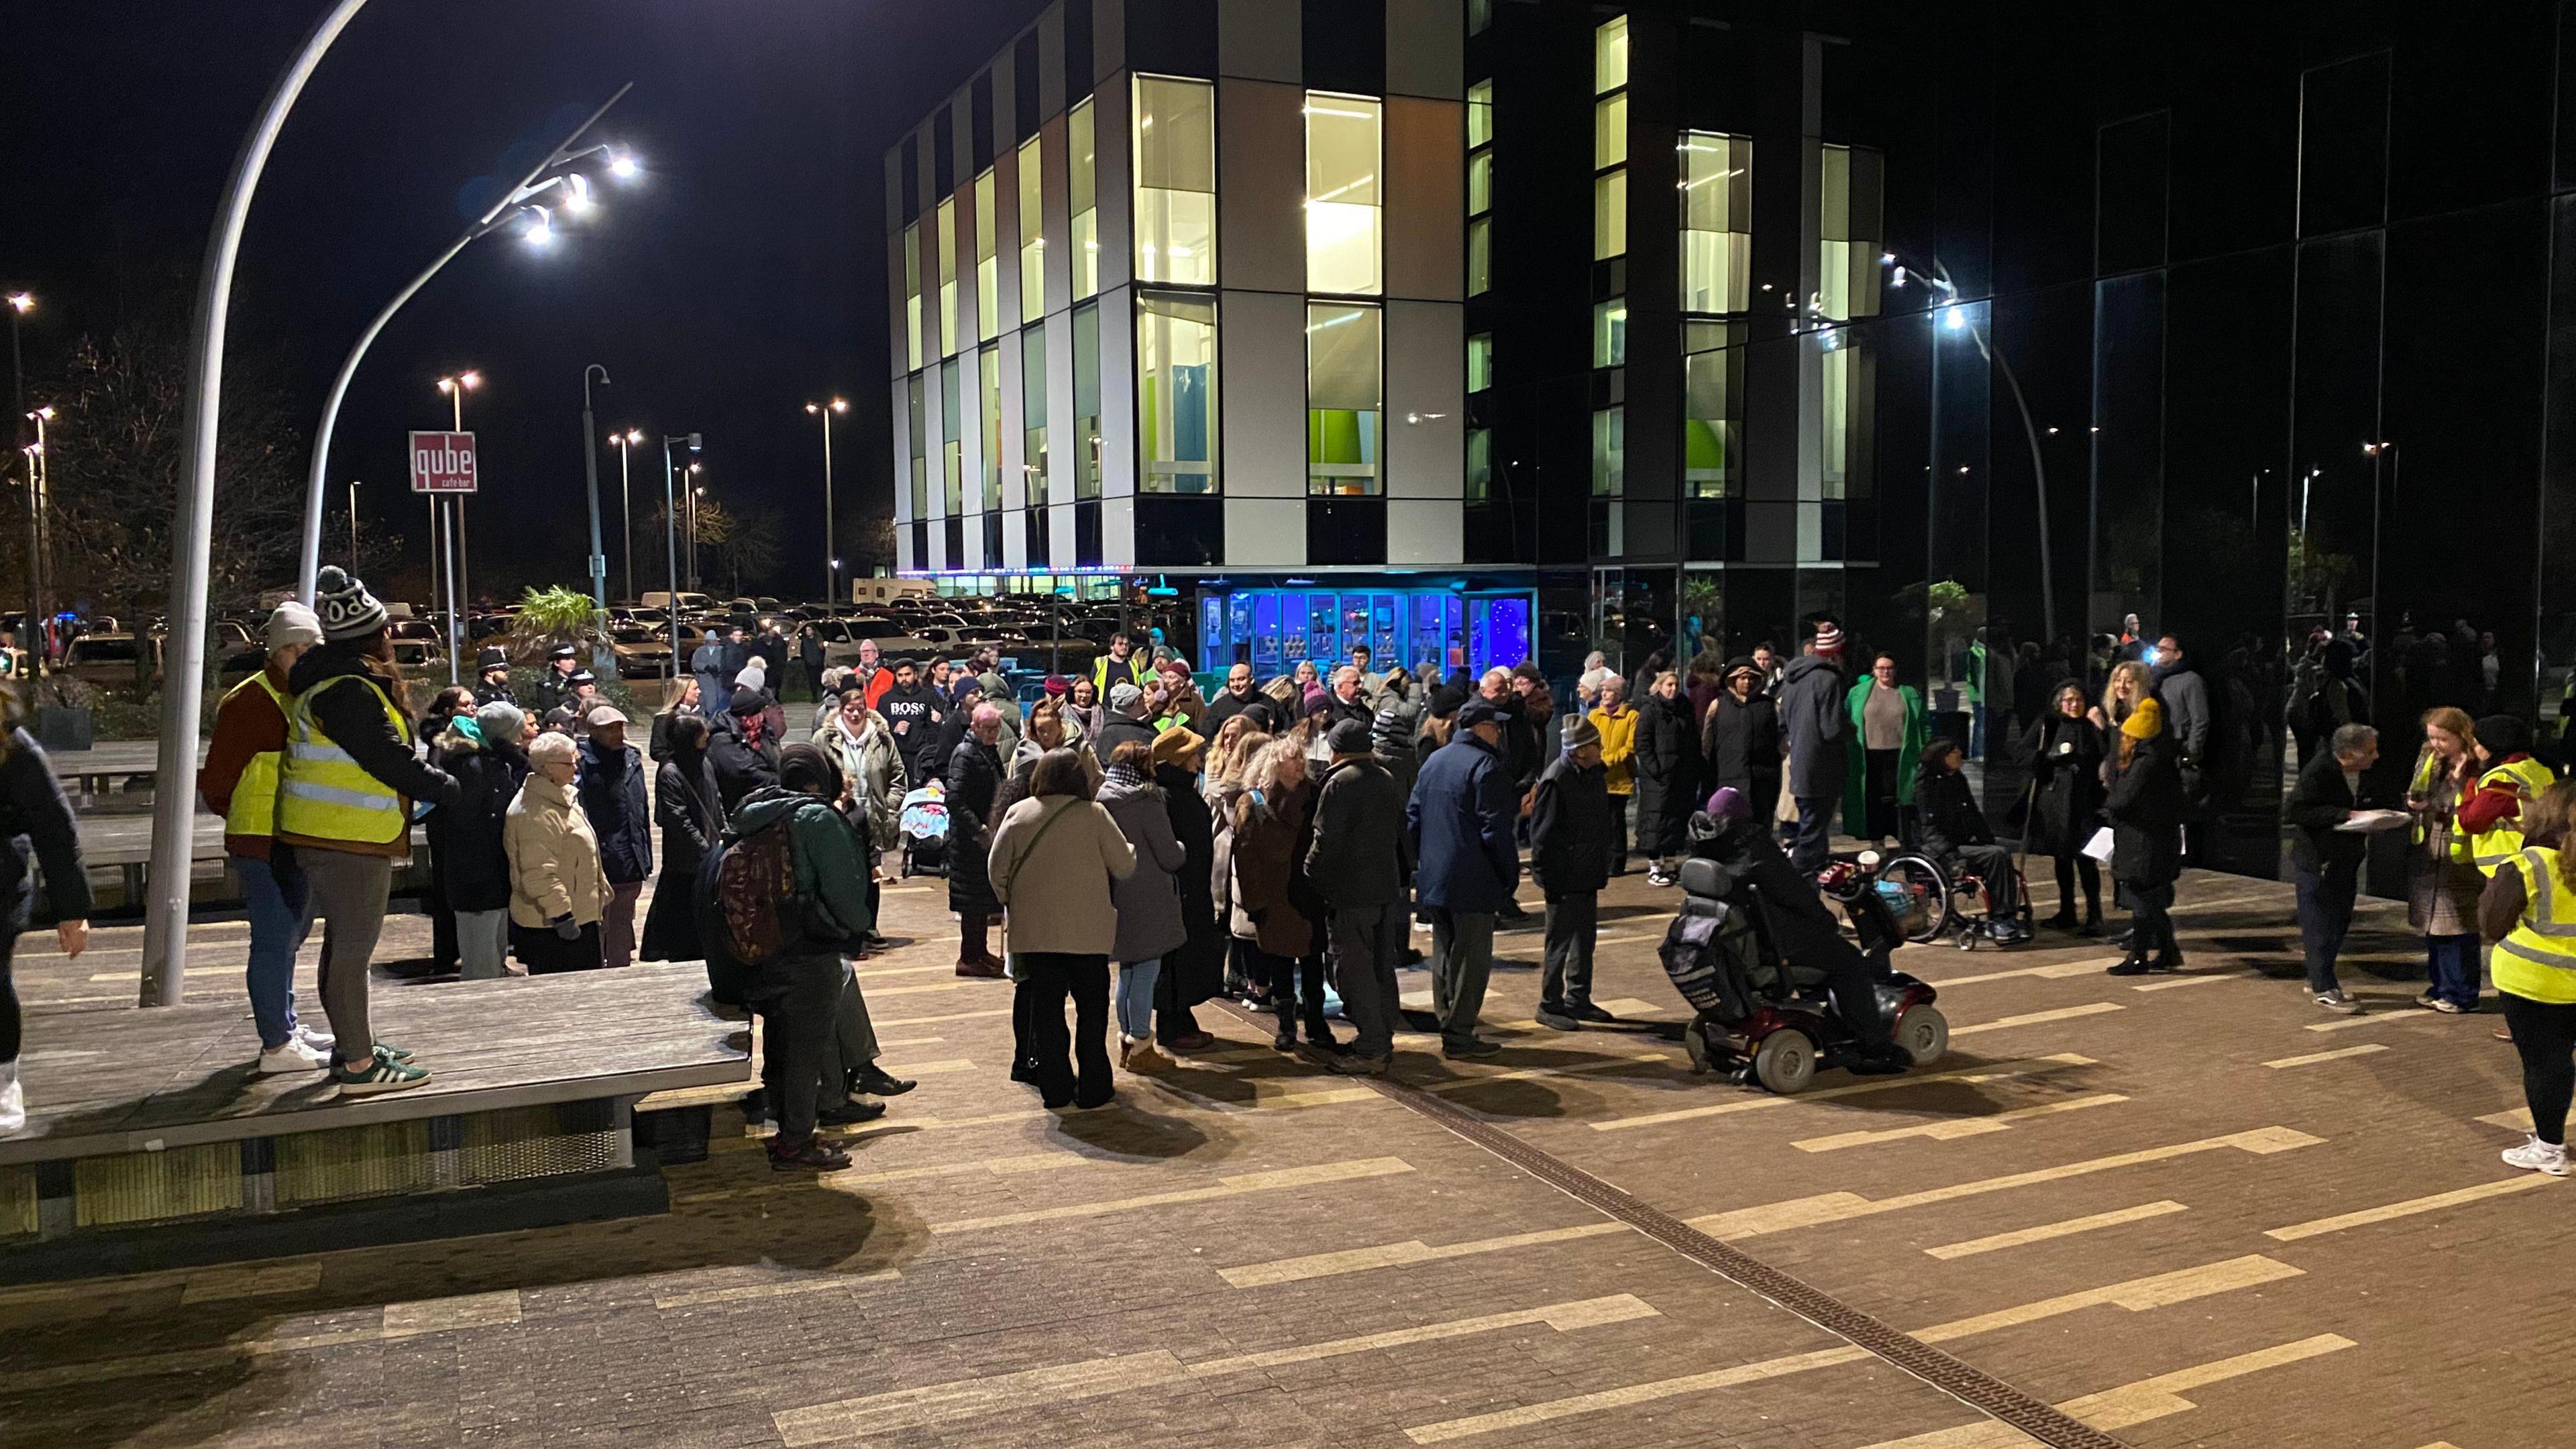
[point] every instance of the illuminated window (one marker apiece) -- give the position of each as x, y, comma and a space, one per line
1610, 333
1175, 181
988, 266
1033, 412
912, 296
1480, 256
948, 278
1847, 269
952, 445
1609, 452
1480, 14
1480, 362
1032, 233
1086, 402
1345, 395
1480, 464
1842, 414
1717, 221
1341, 194
989, 366
1712, 401
1610, 56
920, 431
1176, 393
1480, 114
1480, 183
1083, 177
1610, 140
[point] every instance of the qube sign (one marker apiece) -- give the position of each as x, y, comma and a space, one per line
442, 463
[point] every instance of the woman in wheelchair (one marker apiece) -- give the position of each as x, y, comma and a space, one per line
1953, 831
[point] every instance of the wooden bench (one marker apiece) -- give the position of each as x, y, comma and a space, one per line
90, 771
149, 1140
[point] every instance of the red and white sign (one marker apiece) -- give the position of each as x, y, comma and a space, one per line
442, 463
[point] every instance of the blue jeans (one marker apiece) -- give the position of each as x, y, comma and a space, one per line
2326, 897
274, 892
1810, 848
2453, 962
1136, 996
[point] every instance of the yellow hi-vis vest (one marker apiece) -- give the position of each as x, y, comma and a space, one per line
323, 794
254, 807
2538, 960
2492, 848
2428, 768
1136, 670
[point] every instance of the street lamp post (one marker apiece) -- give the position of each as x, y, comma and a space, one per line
39, 475
518, 201
695, 493
601, 661
624, 443
20, 304
831, 564
353, 526
451, 556
671, 542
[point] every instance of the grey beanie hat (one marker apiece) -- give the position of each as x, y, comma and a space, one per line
1580, 732
500, 720
1124, 696
348, 611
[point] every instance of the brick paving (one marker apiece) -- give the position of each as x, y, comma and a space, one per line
2181, 1213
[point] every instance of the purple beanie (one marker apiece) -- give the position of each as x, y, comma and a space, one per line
1729, 804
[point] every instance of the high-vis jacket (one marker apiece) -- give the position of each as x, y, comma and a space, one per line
2526, 778
324, 794
2537, 960
2428, 771
253, 807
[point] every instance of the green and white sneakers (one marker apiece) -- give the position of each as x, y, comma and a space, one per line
389, 1070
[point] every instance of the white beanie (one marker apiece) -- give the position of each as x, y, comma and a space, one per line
292, 623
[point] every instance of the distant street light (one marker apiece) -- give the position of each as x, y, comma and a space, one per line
451, 555
671, 536
20, 304
624, 443
517, 203
353, 527
602, 661
40, 470
832, 565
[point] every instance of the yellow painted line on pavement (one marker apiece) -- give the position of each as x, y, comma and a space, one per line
2053, 971
2168, 983
1835, 1207
1954, 1127
1753, 1103
1460, 1084
2338, 1054
905, 1041
943, 1067
869, 972
2374, 1018
2137, 1296
753, 1292
2063, 1013
956, 984
1237, 1185
2389, 1212
1396, 1255
2130, 1404
440, 1315
2047, 1232
1058, 1384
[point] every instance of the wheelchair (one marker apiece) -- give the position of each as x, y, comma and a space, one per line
1931, 900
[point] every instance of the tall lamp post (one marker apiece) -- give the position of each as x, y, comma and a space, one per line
20, 304
602, 662
2381, 451
671, 541
696, 492
40, 470
624, 443
452, 557
353, 525
831, 563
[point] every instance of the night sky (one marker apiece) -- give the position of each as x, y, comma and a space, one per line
743, 276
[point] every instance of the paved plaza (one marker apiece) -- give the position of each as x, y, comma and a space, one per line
2182, 1210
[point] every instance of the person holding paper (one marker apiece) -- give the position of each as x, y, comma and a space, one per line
2146, 808
2064, 749
2325, 856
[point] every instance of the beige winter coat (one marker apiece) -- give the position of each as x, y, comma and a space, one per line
1057, 896
554, 858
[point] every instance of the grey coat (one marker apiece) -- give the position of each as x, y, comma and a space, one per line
2186, 699
1359, 858
1813, 716
1149, 901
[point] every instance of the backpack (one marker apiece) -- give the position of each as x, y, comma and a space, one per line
755, 888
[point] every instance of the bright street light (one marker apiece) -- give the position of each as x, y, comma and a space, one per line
832, 566
23, 302
625, 443
621, 164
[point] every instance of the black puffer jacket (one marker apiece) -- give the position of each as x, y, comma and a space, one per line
974, 775
611, 790
1667, 772
740, 767
1393, 737
465, 833
1570, 827
1359, 856
36, 821
2146, 807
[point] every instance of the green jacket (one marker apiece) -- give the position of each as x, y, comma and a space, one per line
1909, 755
831, 862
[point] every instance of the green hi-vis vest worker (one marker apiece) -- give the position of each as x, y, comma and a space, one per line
2428, 768
253, 809
322, 793
2493, 847
2537, 960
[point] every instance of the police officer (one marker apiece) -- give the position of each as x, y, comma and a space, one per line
493, 663
562, 664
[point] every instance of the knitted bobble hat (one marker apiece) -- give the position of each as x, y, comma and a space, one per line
348, 611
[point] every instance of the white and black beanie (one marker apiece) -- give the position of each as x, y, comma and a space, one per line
348, 611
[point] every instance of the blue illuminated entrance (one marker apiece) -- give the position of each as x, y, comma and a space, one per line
1274, 629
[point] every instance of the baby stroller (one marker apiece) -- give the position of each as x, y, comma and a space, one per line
924, 823
1765, 1020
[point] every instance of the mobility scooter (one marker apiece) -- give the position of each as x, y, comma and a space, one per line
1764, 1019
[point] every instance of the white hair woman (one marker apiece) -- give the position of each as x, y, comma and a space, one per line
557, 891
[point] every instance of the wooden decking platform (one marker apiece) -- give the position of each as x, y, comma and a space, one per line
152, 1080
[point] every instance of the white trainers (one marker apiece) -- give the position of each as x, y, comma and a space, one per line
2538, 1156
13, 1100
2333, 999
295, 1055
320, 1041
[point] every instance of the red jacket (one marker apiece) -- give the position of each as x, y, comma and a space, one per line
249, 723
2491, 803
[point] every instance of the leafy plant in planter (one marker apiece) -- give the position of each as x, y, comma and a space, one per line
551, 617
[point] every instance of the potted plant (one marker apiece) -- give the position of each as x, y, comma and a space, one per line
62, 706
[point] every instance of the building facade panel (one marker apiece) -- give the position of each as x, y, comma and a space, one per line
1258, 40
1426, 399
1426, 48
1261, 186
1423, 533
1261, 345
1425, 191
1265, 532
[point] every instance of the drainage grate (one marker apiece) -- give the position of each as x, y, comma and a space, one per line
1981, 1391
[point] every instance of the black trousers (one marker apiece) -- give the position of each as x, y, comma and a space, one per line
797, 998
2069, 866
1878, 795
1294, 980
1619, 834
1993, 864
1071, 1068
9, 1023
544, 953
1573, 919
2544, 1032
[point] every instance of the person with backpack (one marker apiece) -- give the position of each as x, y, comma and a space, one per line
1052, 865
790, 900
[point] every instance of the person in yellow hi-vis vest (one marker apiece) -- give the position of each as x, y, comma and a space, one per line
2490, 818
2529, 911
345, 798
240, 784
2442, 894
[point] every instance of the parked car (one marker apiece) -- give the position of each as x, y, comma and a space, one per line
417, 657
641, 653
108, 660
841, 641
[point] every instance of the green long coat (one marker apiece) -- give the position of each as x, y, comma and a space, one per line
1918, 733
